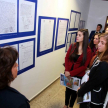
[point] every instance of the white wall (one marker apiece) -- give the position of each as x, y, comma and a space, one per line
97, 14
48, 67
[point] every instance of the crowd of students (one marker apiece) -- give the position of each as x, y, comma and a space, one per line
78, 58
94, 55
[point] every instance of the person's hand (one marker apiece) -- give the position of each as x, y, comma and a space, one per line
78, 89
67, 73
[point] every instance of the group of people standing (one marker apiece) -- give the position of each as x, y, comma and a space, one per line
79, 57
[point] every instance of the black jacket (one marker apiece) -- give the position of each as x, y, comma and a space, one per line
97, 83
92, 33
11, 98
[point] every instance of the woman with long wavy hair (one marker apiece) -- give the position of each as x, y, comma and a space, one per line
76, 61
98, 77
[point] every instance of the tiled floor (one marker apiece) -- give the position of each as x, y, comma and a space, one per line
52, 97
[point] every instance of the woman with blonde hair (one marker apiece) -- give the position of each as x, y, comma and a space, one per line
98, 77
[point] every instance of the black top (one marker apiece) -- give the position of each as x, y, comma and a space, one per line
98, 78
92, 33
11, 98
75, 59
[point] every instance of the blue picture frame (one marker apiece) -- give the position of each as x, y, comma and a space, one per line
69, 42
40, 53
74, 28
75, 36
21, 34
18, 42
63, 45
82, 24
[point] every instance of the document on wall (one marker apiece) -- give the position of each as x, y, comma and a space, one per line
80, 24
16, 47
8, 16
83, 24
61, 32
26, 54
26, 16
69, 37
70, 82
46, 34
73, 38
72, 20
87, 96
67, 46
77, 20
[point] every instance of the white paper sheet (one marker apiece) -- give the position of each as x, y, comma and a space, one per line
69, 37
26, 16
61, 32
8, 16
77, 20
73, 38
68, 45
70, 82
16, 47
87, 96
25, 54
85, 77
80, 25
106, 101
72, 20
83, 24
46, 34
76, 83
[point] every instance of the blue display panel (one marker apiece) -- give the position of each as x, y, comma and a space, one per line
82, 24
71, 38
18, 18
61, 33
46, 32
74, 20
26, 50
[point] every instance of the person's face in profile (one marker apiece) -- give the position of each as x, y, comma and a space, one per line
80, 36
14, 70
102, 45
98, 28
106, 31
96, 39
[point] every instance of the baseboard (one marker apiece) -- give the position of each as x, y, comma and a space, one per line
43, 89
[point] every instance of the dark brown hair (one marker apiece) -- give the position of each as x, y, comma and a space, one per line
84, 46
100, 25
8, 57
91, 44
104, 55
